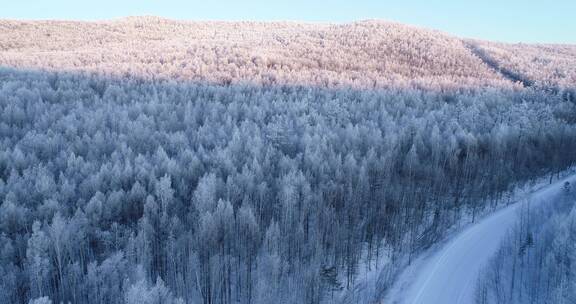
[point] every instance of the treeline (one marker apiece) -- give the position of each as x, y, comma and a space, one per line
537, 261
131, 191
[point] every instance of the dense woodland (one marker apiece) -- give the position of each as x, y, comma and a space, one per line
364, 55
369, 54
148, 166
546, 66
216, 194
537, 262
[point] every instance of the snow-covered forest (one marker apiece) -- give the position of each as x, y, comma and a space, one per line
154, 161
370, 54
537, 262
546, 66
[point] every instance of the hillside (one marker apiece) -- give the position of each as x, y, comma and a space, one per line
364, 54
367, 54
545, 66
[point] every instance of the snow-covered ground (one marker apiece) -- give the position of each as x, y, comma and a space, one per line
448, 274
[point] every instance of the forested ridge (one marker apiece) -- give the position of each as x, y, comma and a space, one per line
367, 54
139, 186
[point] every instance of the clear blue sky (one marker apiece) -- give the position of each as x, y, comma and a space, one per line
504, 20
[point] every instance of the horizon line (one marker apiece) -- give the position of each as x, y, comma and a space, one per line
295, 21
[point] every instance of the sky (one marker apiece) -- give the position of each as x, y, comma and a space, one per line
545, 21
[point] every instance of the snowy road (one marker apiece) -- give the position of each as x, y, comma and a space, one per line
448, 275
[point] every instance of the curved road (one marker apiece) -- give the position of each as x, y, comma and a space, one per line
448, 275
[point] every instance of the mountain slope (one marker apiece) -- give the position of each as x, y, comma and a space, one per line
364, 54
367, 54
547, 66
